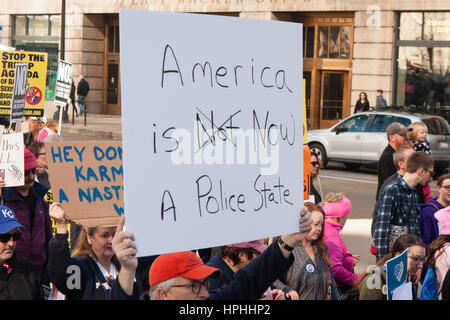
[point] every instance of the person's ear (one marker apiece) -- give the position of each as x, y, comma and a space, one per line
90, 240
162, 295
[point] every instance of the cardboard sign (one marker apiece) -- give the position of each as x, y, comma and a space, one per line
12, 159
36, 80
87, 179
63, 83
219, 160
18, 97
396, 272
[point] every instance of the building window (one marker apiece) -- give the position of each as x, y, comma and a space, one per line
113, 39
423, 61
39, 33
333, 41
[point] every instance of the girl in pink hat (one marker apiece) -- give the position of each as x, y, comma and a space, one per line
336, 208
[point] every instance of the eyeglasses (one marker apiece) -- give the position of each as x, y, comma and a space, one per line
417, 260
447, 188
431, 172
315, 163
7, 236
196, 285
27, 172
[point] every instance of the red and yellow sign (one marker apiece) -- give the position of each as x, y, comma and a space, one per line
36, 80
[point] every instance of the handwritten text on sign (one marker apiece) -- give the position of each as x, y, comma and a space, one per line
12, 159
87, 179
36, 80
220, 159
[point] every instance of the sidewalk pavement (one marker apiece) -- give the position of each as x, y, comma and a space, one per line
97, 125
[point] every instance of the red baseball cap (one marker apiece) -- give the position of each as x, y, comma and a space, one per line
30, 160
185, 264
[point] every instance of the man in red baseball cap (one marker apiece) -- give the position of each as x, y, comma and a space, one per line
184, 276
185, 273
32, 212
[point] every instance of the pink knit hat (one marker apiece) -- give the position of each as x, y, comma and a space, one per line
443, 218
30, 160
337, 209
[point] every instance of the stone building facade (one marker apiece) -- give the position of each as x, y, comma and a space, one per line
350, 45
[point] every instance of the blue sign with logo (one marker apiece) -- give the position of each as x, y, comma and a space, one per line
397, 270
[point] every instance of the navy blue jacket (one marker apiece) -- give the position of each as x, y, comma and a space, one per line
249, 283
227, 276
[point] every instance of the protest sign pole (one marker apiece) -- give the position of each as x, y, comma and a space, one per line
73, 114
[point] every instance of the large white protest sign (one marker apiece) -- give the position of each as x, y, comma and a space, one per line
12, 159
212, 129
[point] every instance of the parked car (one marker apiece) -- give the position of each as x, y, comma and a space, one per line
361, 138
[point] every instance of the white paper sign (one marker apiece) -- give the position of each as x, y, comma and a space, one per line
12, 159
212, 129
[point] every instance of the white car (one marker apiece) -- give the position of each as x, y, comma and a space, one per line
361, 138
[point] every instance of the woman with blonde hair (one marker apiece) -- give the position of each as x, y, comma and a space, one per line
87, 274
310, 277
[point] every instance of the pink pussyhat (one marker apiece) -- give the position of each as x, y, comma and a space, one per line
443, 218
337, 209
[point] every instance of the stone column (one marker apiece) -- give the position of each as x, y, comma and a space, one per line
373, 55
85, 47
6, 23
264, 15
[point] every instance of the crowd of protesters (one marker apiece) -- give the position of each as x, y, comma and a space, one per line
44, 255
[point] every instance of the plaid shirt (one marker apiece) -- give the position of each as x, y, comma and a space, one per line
396, 201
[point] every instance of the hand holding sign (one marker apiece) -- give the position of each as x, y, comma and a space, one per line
294, 239
2, 184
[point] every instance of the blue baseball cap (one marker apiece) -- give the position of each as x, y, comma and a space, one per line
8, 220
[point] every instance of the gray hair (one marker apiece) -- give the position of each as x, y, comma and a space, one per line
165, 285
400, 154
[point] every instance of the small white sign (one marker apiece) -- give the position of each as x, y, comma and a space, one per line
12, 159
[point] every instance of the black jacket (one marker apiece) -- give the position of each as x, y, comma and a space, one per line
249, 283
83, 88
361, 107
20, 281
386, 167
